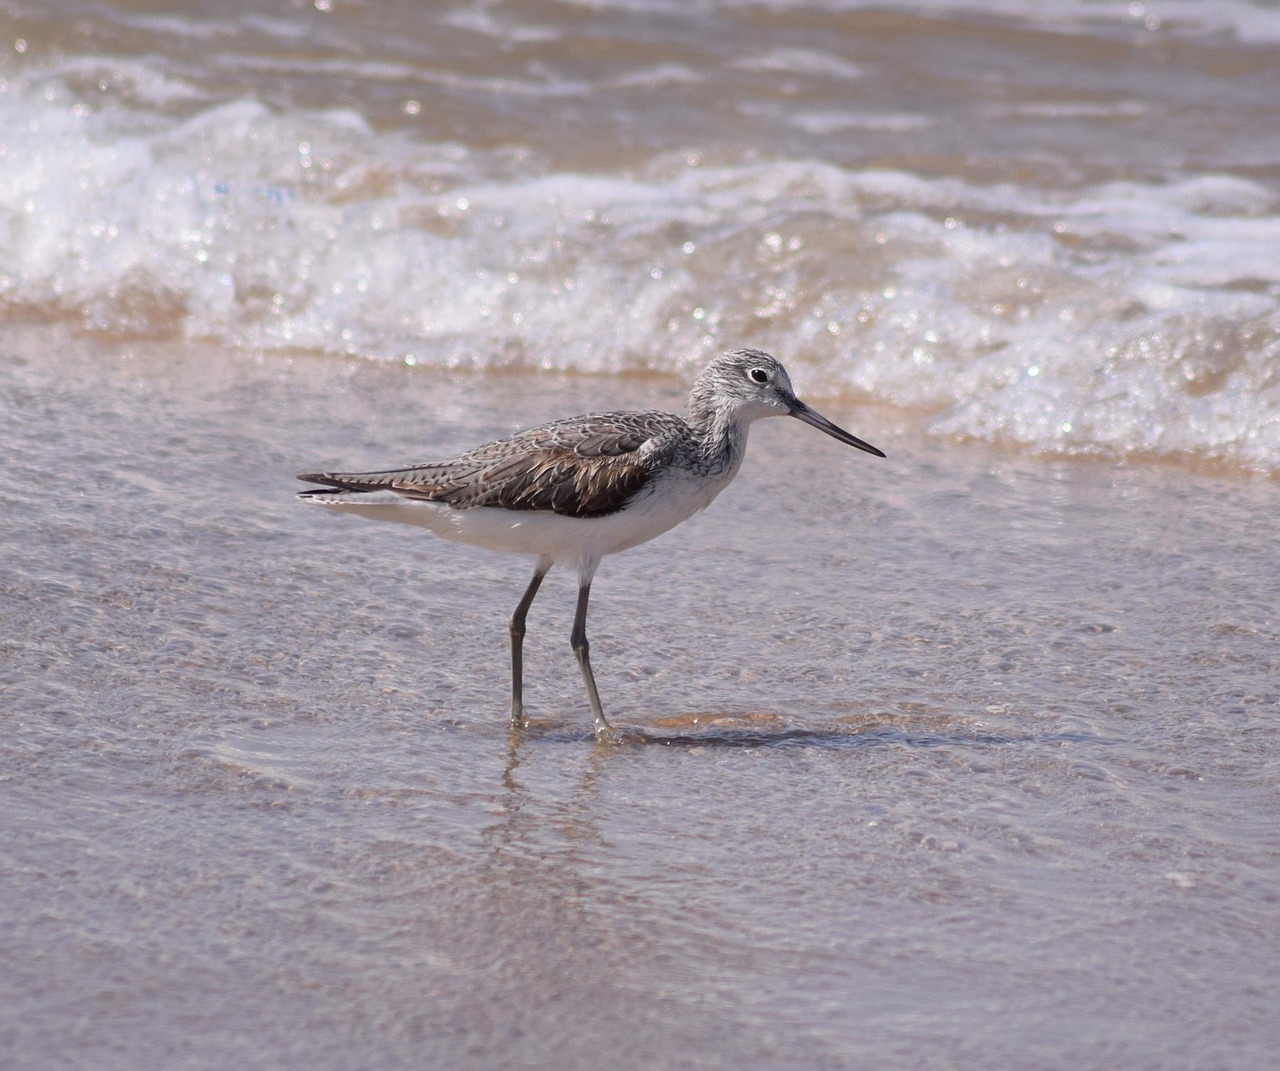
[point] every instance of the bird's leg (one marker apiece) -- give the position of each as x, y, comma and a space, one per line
518, 718
582, 649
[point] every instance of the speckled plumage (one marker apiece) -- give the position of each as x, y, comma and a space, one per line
578, 489
587, 466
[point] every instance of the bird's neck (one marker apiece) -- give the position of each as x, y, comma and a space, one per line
721, 436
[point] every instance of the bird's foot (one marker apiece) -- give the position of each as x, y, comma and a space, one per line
606, 733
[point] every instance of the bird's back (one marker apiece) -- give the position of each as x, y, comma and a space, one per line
587, 466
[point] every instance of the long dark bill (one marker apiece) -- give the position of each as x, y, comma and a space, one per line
802, 412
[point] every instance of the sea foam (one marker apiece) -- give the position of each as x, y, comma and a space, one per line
1109, 319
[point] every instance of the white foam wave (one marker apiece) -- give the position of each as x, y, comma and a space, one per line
1116, 318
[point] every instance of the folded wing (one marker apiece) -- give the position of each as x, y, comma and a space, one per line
575, 468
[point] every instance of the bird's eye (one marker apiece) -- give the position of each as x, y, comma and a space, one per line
758, 375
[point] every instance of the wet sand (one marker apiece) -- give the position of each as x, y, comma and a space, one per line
958, 759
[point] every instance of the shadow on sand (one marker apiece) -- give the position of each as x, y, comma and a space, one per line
750, 731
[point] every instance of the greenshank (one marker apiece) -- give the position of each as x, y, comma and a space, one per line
572, 491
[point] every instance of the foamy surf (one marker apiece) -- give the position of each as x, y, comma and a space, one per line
1105, 316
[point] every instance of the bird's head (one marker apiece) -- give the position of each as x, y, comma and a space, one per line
746, 385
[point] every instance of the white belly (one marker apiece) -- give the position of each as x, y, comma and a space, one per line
579, 541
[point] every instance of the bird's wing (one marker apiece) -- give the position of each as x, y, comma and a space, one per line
581, 467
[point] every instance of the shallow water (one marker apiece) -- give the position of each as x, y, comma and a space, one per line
959, 758
965, 758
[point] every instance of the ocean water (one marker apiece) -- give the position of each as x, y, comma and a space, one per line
1054, 224
965, 758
